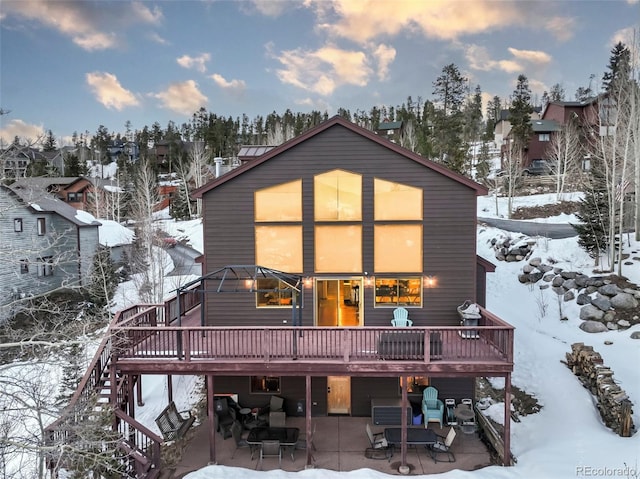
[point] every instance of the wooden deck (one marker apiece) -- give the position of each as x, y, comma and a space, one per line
145, 345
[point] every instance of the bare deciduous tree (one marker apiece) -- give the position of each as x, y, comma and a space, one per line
565, 154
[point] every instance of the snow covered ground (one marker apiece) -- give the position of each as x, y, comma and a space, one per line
567, 438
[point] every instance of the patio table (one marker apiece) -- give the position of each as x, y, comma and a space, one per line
288, 436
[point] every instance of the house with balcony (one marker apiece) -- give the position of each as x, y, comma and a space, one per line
45, 243
309, 249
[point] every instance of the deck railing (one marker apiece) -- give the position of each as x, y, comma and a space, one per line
490, 341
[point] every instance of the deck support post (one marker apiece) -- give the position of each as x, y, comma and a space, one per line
507, 420
403, 469
212, 420
307, 413
139, 390
131, 378
169, 388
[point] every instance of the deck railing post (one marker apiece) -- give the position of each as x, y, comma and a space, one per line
345, 345
427, 345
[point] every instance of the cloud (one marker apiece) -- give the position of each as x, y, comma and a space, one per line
108, 91
385, 55
270, 8
26, 132
156, 38
365, 20
531, 56
323, 70
184, 98
234, 86
480, 59
560, 27
90, 25
197, 63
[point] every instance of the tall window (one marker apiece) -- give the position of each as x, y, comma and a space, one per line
17, 225
42, 226
397, 243
24, 266
338, 196
337, 200
278, 239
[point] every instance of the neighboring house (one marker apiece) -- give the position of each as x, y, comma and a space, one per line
540, 141
46, 244
251, 152
368, 224
93, 195
391, 130
16, 159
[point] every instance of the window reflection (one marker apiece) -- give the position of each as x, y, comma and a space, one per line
272, 292
398, 292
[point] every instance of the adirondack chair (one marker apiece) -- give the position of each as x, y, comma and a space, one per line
401, 318
432, 407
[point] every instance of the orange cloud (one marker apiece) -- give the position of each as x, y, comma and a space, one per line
531, 56
197, 63
108, 91
184, 97
233, 86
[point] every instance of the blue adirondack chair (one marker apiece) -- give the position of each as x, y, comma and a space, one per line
401, 318
432, 407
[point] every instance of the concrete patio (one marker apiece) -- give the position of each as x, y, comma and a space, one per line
340, 442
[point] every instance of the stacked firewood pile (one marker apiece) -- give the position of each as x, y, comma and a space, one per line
613, 403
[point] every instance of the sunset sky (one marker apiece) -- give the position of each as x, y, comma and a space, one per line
74, 65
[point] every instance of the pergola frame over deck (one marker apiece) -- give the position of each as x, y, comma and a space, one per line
244, 279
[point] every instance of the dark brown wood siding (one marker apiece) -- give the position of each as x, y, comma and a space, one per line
449, 229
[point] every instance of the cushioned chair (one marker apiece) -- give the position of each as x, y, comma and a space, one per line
276, 404
225, 416
379, 447
432, 407
277, 419
401, 318
443, 447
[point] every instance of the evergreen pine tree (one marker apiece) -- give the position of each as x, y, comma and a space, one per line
179, 206
593, 216
71, 373
450, 89
520, 113
619, 67
49, 142
104, 278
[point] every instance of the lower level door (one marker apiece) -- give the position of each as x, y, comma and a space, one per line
338, 395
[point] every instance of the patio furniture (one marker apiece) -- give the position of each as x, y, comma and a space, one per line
465, 413
415, 437
236, 433
225, 416
401, 318
173, 424
401, 344
277, 419
270, 448
449, 407
443, 447
432, 407
287, 436
276, 404
379, 447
